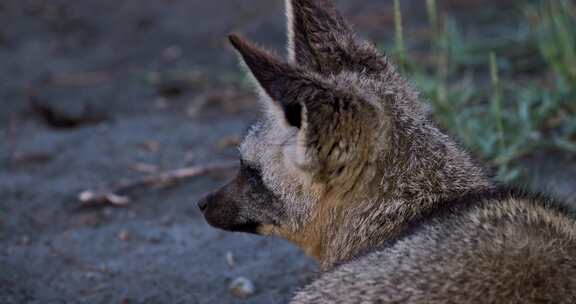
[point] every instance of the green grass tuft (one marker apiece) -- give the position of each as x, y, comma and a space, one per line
399, 38
497, 109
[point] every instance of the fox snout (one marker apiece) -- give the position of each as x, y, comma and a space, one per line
222, 211
242, 205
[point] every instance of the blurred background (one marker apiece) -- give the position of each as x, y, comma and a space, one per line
99, 98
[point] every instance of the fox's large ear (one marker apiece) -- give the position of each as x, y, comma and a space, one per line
320, 39
283, 86
328, 132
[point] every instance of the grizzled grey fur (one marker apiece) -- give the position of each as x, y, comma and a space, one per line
347, 164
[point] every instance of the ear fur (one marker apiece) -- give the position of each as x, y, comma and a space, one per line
315, 33
320, 39
283, 85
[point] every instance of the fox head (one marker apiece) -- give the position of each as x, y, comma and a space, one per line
339, 127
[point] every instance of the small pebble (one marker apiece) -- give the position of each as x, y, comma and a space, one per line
172, 53
25, 240
242, 287
230, 259
92, 276
124, 235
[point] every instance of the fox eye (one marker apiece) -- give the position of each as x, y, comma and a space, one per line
248, 169
251, 171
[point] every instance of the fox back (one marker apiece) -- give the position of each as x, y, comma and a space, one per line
346, 163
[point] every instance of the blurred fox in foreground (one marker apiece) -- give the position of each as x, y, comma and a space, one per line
347, 164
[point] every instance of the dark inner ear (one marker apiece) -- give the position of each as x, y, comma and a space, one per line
293, 113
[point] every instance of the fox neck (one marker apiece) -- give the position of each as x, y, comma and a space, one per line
380, 205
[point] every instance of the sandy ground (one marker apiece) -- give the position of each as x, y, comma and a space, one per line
96, 91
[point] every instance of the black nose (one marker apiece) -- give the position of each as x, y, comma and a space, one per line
202, 204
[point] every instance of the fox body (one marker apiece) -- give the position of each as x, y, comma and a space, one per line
347, 164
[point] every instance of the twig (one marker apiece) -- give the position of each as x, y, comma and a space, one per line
115, 194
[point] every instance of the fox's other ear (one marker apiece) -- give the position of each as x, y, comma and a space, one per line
314, 30
320, 39
284, 87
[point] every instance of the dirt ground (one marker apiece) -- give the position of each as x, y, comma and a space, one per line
92, 92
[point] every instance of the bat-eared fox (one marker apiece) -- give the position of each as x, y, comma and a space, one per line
346, 163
